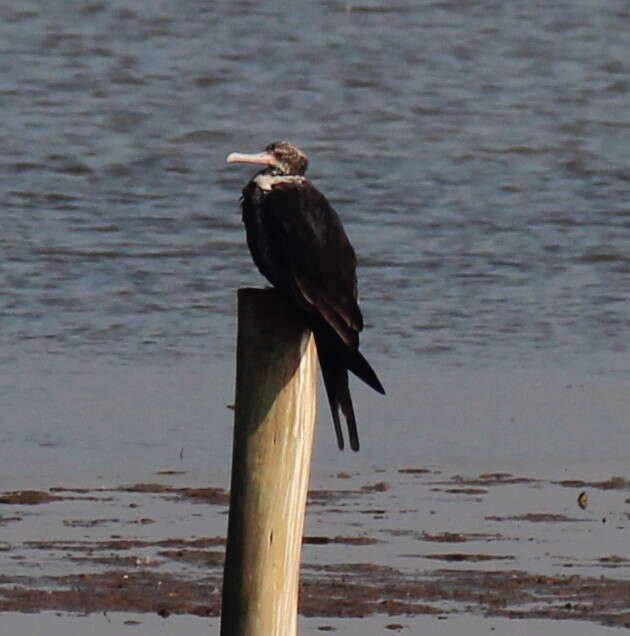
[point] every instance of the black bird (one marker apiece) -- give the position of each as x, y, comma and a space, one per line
298, 243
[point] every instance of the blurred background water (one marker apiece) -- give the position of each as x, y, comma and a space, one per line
476, 151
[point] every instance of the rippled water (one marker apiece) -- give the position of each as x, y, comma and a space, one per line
477, 152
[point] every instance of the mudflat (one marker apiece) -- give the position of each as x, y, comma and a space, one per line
404, 545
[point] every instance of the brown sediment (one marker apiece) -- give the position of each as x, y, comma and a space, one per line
458, 556
122, 544
445, 537
317, 495
614, 483
341, 540
344, 590
215, 496
112, 560
489, 479
538, 517
27, 497
459, 537
614, 561
117, 590
366, 562
199, 557
88, 523
380, 486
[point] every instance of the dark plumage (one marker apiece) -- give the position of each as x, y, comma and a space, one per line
298, 243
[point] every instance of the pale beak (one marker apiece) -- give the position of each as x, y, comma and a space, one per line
263, 158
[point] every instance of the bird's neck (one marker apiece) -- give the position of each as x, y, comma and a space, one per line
266, 181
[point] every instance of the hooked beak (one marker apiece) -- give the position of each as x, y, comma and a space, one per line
264, 158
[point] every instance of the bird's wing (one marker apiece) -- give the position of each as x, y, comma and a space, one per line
320, 263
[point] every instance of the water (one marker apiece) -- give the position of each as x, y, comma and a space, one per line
477, 152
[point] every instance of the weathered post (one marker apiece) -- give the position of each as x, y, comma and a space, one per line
273, 436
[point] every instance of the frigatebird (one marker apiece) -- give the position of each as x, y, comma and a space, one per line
298, 243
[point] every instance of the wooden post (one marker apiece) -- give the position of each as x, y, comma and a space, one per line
273, 437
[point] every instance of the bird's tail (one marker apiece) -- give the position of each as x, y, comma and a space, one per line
330, 345
362, 369
335, 377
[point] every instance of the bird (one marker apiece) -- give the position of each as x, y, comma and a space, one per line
297, 241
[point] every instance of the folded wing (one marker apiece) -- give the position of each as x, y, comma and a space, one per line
319, 264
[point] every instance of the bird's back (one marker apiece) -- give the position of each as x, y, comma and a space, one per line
298, 243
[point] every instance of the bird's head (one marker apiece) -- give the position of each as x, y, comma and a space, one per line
280, 157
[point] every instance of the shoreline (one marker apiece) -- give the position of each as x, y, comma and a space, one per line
408, 543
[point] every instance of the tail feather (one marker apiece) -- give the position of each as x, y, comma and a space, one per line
345, 401
335, 377
335, 360
350, 357
363, 370
330, 384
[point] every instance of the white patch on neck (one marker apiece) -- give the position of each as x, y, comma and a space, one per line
267, 181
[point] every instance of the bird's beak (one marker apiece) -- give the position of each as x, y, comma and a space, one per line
263, 158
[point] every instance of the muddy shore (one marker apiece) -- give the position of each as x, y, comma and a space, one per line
403, 543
